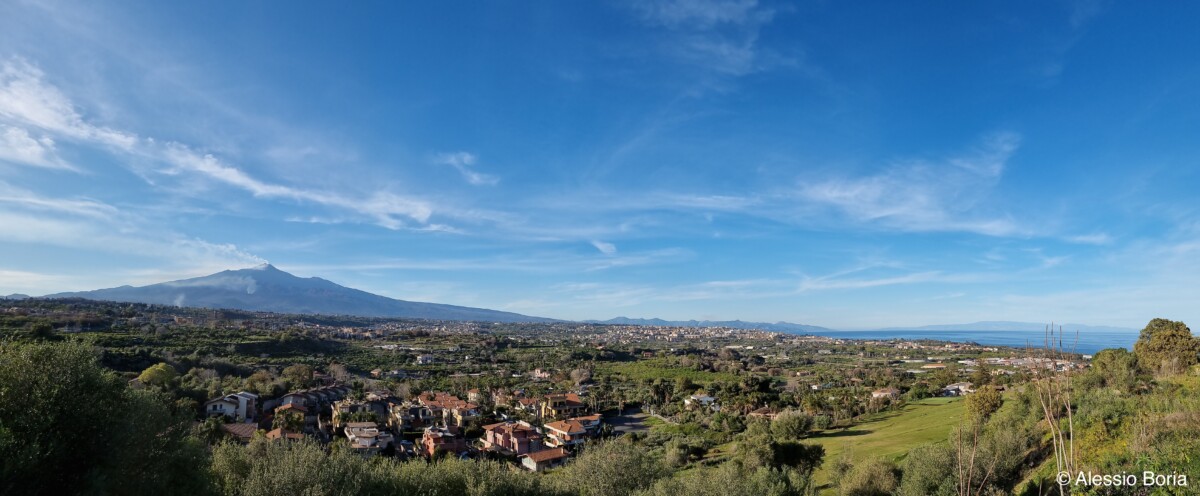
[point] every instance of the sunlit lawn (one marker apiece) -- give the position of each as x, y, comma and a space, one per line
890, 434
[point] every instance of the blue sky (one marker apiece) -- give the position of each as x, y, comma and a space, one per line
850, 165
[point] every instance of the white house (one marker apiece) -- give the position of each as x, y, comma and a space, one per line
701, 400
958, 389
242, 406
366, 438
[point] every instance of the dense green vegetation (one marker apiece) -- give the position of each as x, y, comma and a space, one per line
88, 411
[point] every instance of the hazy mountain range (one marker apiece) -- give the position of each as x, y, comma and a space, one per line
734, 324
1000, 325
268, 289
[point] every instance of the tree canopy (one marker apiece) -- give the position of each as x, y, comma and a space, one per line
984, 402
1167, 347
68, 426
159, 374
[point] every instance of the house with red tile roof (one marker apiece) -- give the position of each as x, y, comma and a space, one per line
561, 405
243, 433
285, 435
565, 433
453, 410
545, 459
517, 438
438, 439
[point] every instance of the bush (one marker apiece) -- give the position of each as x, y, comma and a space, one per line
791, 424
609, 468
871, 477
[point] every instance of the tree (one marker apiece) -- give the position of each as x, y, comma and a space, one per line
1167, 347
363, 416
871, 477
791, 424
617, 468
684, 385
159, 374
1114, 368
299, 375
68, 426
929, 470
580, 376
289, 420
339, 372
982, 375
733, 479
984, 402
918, 391
42, 331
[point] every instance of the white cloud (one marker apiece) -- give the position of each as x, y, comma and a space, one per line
384, 207
717, 35
1091, 239
92, 227
821, 283
166, 249
700, 14
82, 207
28, 281
921, 195
462, 162
605, 248
18, 146
27, 99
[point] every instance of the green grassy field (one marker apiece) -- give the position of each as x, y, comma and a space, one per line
659, 369
890, 434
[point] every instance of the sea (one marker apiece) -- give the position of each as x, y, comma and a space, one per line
1089, 341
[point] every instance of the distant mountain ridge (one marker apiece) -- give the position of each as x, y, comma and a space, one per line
268, 289
733, 324
1002, 325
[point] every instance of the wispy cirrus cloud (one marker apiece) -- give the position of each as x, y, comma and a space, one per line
42, 220
26, 98
718, 35
1091, 239
922, 195
387, 209
463, 163
18, 146
605, 248
82, 207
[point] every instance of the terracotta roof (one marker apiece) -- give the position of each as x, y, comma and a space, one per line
281, 434
567, 426
239, 430
510, 427
548, 455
